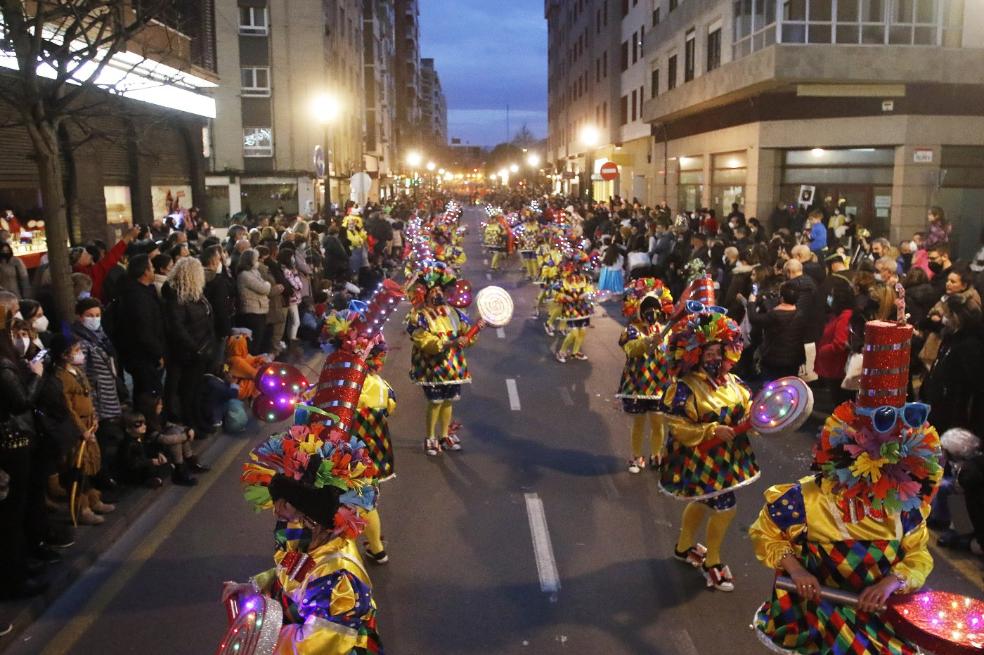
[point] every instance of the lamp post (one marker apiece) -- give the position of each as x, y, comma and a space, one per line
326, 109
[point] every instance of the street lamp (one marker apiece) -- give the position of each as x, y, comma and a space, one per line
589, 136
513, 168
533, 160
326, 108
431, 166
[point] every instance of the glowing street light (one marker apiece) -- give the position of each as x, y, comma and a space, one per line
414, 159
513, 168
533, 160
431, 166
326, 108
590, 136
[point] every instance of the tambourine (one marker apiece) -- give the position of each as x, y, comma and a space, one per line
495, 306
254, 625
939, 622
783, 405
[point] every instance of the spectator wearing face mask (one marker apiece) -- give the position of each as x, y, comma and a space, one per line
13, 273
954, 387
162, 266
33, 313
938, 259
781, 353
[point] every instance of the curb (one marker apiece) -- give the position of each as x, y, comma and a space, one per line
71, 569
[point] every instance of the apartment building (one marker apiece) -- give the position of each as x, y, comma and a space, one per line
379, 57
297, 116
434, 107
408, 107
873, 105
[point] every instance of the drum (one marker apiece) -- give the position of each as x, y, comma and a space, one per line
254, 626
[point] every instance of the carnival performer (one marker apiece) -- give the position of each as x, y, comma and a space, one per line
706, 460
859, 523
320, 482
440, 334
575, 300
550, 281
644, 374
528, 237
445, 248
496, 238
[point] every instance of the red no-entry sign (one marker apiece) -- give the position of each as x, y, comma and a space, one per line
609, 171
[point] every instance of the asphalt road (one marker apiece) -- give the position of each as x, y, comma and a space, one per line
534, 539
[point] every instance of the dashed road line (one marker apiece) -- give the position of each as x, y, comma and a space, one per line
546, 564
513, 395
500, 332
565, 396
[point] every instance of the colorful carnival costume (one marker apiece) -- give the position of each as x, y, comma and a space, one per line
440, 333
550, 281
859, 524
644, 374
528, 237
496, 237
574, 298
705, 460
325, 480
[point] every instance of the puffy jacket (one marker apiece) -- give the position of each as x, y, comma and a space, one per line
141, 315
782, 345
16, 395
190, 328
253, 292
834, 345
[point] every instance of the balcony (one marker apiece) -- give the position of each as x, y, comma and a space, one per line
831, 70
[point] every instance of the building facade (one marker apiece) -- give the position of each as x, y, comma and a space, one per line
408, 103
871, 105
296, 117
379, 58
128, 157
434, 107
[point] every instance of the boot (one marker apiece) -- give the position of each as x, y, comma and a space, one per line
195, 466
97, 505
181, 477
55, 490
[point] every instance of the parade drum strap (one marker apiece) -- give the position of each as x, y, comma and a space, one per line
495, 306
256, 629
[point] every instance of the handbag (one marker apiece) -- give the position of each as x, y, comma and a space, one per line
852, 372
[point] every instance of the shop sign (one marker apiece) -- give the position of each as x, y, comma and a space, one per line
922, 156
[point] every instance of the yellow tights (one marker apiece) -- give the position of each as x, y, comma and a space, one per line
438, 419
655, 434
374, 532
531, 268
717, 527
573, 341
496, 260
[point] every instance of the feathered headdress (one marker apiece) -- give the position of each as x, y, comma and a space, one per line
642, 288
316, 456
693, 333
890, 472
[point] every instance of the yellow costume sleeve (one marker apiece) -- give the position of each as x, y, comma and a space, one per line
427, 342
917, 562
682, 419
783, 507
264, 581
634, 343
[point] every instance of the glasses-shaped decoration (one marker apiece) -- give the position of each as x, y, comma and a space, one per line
884, 418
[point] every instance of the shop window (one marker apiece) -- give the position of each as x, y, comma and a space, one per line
257, 142
728, 174
253, 21
118, 206
256, 82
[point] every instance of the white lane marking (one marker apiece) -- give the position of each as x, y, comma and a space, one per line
565, 396
500, 332
546, 565
488, 276
684, 643
513, 395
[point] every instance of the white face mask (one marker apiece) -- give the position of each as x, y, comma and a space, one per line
78, 359
21, 344
41, 323
218, 271
92, 323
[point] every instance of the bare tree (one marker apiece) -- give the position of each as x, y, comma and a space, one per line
63, 49
524, 137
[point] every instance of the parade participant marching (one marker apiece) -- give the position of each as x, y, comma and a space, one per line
706, 460
320, 482
858, 524
574, 298
497, 238
549, 278
440, 334
644, 374
528, 236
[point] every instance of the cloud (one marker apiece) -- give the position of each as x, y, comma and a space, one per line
489, 55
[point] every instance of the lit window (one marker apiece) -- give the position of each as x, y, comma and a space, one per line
257, 142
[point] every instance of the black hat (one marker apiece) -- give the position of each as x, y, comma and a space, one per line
319, 505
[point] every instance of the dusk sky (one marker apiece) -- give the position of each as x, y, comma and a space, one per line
488, 54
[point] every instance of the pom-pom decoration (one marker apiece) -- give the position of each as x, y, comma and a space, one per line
460, 295
280, 388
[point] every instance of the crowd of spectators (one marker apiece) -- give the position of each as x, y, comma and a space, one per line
118, 394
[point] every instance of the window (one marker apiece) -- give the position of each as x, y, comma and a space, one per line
673, 4
714, 50
257, 142
604, 64
625, 8
625, 55
635, 102
671, 73
625, 110
689, 55
256, 82
656, 16
635, 47
253, 21
654, 84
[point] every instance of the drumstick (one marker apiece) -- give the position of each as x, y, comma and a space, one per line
838, 596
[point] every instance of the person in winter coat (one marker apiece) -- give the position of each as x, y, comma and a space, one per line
19, 391
104, 375
920, 296
191, 338
13, 273
82, 261
254, 298
221, 295
740, 284
781, 351
140, 461
834, 345
276, 320
141, 342
301, 266
954, 387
